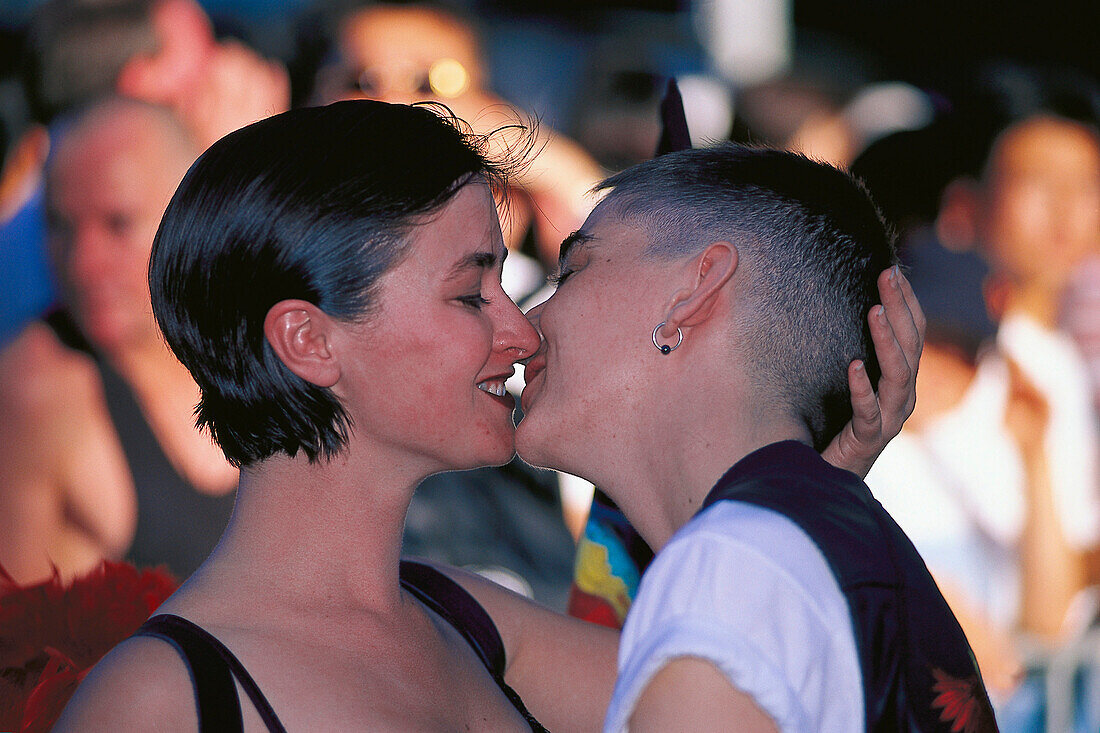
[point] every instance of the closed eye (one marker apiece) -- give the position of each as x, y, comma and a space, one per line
474, 301
559, 277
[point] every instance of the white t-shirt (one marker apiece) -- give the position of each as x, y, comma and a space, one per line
746, 589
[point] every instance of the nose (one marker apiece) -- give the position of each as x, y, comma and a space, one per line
516, 333
534, 314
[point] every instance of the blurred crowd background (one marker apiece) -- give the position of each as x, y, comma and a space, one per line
973, 124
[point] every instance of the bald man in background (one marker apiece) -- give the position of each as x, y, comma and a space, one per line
99, 456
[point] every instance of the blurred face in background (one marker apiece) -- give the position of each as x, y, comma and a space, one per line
402, 55
1041, 201
108, 185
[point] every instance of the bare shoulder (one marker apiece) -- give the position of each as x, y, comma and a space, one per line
142, 684
39, 374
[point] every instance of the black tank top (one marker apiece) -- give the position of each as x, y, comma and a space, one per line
177, 525
213, 666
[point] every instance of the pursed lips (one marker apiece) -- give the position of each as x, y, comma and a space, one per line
532, 369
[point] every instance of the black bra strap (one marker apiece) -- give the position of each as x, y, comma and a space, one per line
212, 668
450, 600
461, 610
212, 664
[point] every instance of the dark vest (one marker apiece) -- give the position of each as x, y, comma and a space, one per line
919, 673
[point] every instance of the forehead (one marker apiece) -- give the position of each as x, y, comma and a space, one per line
454, 237
410, 35
1047, 145
607, 233
105, 169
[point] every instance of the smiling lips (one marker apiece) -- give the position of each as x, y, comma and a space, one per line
493, 387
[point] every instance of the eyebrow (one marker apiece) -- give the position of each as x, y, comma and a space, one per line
577, 237
476, 261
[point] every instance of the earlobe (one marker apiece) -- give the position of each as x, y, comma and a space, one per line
300, 335
694, 304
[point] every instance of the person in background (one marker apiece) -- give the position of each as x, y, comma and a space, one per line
162, 52
70, 484
159, 51
99, 456
996, 475
1080, 318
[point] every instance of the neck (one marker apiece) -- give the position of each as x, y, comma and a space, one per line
670, 465
321, 537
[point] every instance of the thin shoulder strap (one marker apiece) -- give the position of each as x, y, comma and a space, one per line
461, 610
212, 667
451, 601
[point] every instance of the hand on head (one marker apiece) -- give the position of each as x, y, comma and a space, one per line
897, 327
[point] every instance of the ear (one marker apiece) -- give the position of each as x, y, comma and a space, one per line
957, 220
694, 305
300, 334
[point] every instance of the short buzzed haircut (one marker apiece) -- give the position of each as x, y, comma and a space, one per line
811, 243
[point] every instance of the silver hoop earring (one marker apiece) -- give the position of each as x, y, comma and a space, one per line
665, 348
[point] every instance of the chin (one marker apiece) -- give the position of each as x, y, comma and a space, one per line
529, 446
105, 333
497, 455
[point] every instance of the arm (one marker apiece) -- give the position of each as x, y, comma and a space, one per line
238, 87
66, 498
898, 333
563, 668
692, 694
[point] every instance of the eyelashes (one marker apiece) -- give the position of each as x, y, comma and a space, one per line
475, 301
559, 277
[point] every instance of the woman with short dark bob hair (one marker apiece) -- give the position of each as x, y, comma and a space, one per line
331, 278
315, 205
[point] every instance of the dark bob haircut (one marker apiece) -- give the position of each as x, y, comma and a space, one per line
312, 204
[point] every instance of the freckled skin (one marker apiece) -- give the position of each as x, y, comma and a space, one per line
421, 354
